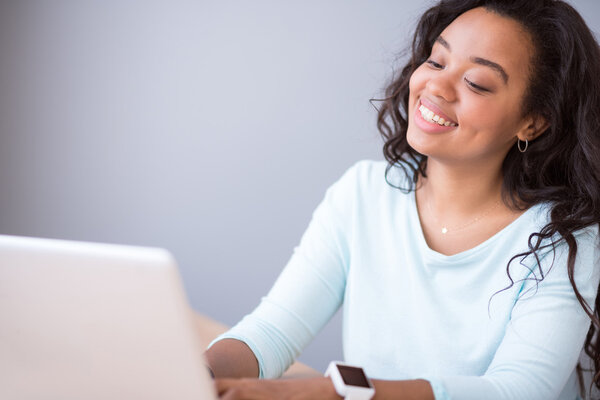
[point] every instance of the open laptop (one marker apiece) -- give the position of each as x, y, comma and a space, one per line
95, 321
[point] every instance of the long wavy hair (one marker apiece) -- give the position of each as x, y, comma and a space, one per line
562, 166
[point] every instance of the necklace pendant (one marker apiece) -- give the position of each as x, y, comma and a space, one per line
444, 230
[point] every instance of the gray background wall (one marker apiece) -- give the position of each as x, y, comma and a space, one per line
209, 128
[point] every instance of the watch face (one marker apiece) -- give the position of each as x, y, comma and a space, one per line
353, 376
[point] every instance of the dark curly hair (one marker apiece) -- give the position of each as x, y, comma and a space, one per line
562, 166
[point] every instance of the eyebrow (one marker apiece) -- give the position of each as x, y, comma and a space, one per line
478, 60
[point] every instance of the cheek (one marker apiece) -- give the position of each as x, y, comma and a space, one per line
489, 116
417, 80
489, 129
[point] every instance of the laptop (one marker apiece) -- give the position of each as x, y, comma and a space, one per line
95, 321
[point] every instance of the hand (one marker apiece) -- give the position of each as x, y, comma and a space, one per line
276, 389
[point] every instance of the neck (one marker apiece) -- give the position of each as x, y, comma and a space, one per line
458, 192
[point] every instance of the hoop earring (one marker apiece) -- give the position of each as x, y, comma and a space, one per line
519, 145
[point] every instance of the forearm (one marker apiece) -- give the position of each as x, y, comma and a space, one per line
231, 358
418, 389
317, 388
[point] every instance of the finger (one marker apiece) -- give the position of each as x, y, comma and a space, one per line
224, 384
245, 389
241, 393
231, 395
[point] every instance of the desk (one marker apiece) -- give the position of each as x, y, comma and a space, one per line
208, 329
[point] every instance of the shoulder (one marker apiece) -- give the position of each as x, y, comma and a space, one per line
551, 263
367, 171
361, 185
587, 261
587, 238
381, 174
362, 177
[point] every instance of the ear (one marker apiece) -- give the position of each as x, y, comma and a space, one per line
533, 126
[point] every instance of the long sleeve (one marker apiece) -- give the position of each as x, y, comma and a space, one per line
411, 312
309, 290
544, 336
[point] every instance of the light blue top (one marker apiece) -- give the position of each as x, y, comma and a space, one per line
410, 312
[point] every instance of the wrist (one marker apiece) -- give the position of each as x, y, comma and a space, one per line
329, 389
350, 382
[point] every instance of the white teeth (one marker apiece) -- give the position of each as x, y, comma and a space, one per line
430, 116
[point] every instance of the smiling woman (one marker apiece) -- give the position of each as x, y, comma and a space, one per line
479, 102
468, 265
459, 80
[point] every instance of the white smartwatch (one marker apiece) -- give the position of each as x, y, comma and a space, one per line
349, 381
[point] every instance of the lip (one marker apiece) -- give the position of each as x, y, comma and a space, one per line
436, 110
429, 127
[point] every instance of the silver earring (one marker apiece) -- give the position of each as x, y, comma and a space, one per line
519, 145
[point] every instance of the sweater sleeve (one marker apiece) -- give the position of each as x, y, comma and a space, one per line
544, 336
310, 288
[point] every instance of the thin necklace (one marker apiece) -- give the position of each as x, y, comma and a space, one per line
445, 229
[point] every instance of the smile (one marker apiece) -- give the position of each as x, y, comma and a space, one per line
432, 117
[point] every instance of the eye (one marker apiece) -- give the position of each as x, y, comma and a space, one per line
434, 64
476, 87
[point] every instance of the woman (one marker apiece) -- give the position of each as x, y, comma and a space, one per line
468, 266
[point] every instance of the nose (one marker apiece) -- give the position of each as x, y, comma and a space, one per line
442, 85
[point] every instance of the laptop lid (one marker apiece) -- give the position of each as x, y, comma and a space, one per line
95, 321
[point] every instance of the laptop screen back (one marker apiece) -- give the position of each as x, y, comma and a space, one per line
95, 321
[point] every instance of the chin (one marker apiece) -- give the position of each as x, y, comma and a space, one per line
417, 141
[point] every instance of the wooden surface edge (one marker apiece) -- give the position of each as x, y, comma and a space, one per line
208, 329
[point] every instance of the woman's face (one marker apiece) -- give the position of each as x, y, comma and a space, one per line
465, 100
